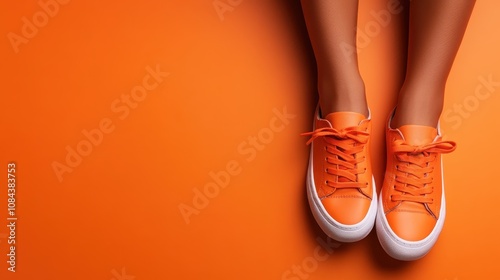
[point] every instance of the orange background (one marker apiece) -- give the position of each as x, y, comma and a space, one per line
117, 213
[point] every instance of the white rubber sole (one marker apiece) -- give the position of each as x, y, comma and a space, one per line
405, 250
334, 229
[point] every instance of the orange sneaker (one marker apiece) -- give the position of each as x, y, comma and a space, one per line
412, 204
340, 186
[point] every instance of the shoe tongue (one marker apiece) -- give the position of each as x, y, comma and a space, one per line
418, 135
341, 120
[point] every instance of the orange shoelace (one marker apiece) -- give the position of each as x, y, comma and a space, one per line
344, 146
414, 175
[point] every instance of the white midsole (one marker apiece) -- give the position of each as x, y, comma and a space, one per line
334, 229
405, 250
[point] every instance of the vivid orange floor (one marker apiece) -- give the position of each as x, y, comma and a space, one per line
160, 140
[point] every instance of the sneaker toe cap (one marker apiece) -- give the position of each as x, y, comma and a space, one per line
411, 226
347, 210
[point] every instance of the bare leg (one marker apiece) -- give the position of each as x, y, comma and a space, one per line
332, 29
436, 31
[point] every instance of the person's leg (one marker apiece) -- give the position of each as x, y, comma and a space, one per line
340, 187
332, 29
412, 213
435, 33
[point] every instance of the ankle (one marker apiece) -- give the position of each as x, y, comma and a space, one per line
422, 109
343, 98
